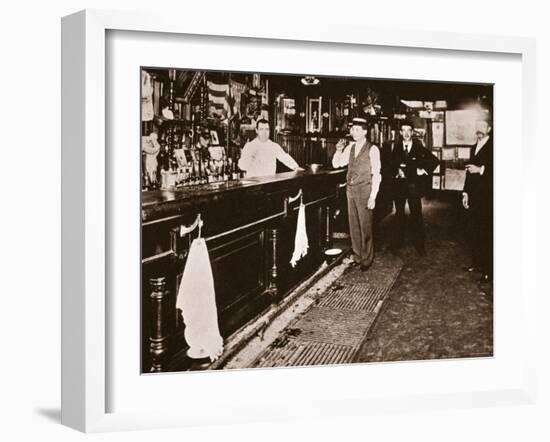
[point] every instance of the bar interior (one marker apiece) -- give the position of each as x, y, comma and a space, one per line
194, 126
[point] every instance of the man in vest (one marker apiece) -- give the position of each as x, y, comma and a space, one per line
363, 181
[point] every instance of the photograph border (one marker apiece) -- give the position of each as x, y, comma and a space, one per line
85, 203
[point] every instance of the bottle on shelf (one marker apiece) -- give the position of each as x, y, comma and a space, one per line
198, 176
202, 176
166, 158
218, 171
234, 171
230, 168
239, 174
199, 170
194, 173
185, 179
211, 171
206, 172
226, 171
222, 170
209, 176
145, 184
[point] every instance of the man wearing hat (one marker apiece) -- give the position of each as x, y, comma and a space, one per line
363, 181
412, 166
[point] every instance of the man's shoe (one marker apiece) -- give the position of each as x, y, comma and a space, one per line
364, 268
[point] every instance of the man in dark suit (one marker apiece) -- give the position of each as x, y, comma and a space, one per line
412, 167
384, 199
477, 199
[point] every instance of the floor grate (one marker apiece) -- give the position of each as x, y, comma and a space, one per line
332, 331
329, 325
298, 353
354, 297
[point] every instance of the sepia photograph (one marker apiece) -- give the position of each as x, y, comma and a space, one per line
303, 220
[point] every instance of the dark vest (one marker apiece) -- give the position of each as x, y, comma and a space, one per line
360, 168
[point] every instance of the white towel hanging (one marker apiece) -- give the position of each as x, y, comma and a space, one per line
301, 243
197, 301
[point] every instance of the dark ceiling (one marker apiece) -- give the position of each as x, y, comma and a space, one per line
390, 91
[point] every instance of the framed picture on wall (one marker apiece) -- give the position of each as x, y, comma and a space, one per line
313, 114
214, 137
448, 154
454, 179
464, 153
438, 130
103, 386
460, 126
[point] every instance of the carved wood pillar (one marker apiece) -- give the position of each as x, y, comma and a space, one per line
158, 338
272, 287
328, 227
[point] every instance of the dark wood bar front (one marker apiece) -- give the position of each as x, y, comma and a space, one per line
249, 227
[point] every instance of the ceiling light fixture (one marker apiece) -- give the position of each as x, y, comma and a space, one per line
310, 80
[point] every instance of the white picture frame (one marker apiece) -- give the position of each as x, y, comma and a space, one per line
86, 317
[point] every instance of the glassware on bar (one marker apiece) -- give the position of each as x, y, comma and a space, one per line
194, 172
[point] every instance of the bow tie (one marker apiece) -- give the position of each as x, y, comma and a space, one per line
407, 147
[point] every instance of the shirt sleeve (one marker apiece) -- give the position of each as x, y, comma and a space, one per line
341, 158
285, 158
244, 160
374, 154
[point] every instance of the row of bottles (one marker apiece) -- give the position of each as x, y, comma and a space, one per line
205, 172
193, 173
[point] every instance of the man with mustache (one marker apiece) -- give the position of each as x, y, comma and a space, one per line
477, 199
412, 166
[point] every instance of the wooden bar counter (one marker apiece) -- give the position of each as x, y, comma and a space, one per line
249, 226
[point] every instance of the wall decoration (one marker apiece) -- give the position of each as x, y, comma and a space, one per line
464, 153
454, 179
460, 126
438, 131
